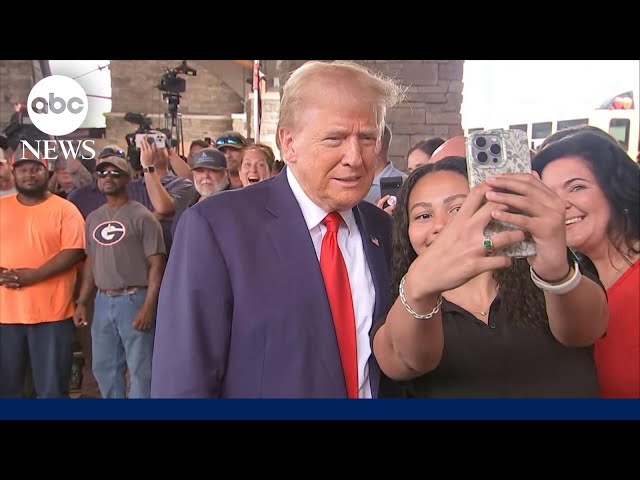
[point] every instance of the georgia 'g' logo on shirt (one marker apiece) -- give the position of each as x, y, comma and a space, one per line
109, 233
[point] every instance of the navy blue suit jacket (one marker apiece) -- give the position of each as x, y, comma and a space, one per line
243, 311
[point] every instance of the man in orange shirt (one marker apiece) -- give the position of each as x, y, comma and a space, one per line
41, 241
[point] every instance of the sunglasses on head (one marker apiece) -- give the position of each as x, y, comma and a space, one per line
106, 173
227, 140
110, 152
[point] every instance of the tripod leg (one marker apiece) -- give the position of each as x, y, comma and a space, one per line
180, 135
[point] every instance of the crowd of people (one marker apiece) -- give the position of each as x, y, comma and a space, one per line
231, 274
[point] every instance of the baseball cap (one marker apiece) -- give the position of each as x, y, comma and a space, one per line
231, 139
113, 155
209, 158
23, 154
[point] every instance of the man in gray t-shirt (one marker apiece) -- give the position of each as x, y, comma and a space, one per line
126, 256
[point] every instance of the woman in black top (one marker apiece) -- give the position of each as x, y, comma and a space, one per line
490, 331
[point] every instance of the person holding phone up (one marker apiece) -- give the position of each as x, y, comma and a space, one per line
469, 322
384, 170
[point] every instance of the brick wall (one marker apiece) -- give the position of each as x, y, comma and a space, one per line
210, 106
207, 104
17, 77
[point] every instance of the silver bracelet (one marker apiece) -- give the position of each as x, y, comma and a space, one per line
410, 310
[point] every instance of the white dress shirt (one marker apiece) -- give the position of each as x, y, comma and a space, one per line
362, 289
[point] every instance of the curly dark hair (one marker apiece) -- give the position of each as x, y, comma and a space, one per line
520, 298
617, 174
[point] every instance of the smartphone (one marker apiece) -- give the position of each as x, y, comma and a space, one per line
489, 153
159, 138
390, 186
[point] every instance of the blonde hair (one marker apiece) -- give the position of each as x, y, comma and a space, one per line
266, 150
381, 91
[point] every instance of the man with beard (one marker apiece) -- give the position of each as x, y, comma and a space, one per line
125, 262
231, 144
41, 241
210, 176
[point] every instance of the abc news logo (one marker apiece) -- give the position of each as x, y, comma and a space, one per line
58, 105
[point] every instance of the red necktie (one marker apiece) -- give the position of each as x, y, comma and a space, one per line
336, 280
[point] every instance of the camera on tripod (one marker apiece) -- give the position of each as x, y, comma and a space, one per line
173, 86
171, 83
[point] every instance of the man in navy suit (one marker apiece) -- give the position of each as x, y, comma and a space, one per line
271, 290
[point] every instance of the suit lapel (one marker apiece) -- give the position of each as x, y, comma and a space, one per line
291, 240
374, 249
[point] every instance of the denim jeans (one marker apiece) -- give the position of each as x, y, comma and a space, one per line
118, 346
47, 347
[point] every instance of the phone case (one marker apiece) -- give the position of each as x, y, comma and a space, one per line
158, 138
484, 159
390, 185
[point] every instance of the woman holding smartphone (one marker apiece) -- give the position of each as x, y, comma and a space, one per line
600, 185
469, 322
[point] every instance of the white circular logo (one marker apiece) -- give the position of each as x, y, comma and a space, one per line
57, 105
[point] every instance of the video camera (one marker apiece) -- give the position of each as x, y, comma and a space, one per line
21, 128
144, 126
171, 83
173, 86
160, 136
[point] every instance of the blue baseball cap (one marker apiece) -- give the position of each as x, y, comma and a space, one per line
211, 158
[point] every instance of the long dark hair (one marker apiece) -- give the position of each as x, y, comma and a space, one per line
520, 298
617, 175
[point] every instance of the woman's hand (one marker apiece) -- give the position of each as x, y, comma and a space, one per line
541, 213
459, 252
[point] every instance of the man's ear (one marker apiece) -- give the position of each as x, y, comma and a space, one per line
287, 148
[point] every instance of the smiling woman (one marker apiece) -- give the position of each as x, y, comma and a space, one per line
256, 164
599, 183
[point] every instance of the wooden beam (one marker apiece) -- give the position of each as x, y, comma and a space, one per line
248, 64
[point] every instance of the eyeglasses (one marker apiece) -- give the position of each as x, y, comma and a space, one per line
111, 152
106, 173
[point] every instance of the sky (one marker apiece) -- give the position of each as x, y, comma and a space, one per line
492, 88
511, 89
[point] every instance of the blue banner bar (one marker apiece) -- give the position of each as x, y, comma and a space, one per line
388, 409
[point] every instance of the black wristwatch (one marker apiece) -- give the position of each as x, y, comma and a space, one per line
149, 169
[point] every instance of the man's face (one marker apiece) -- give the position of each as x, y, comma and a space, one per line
31, 178
332, 150
234, 157
64, 178
208, 181
111, 181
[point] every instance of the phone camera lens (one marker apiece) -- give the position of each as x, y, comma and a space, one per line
495, 149
495, 160
482, 157
481, 142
